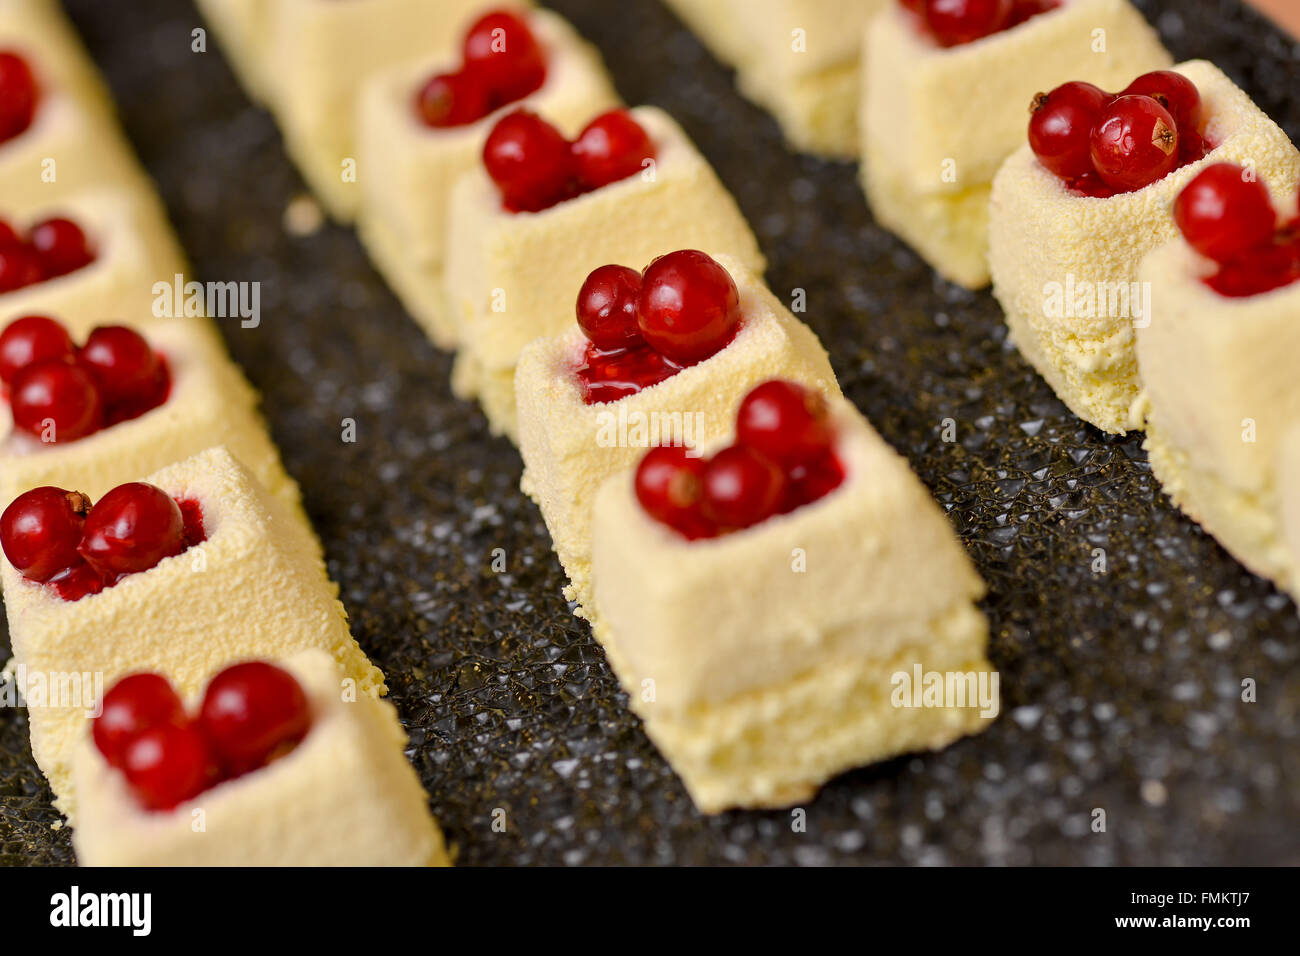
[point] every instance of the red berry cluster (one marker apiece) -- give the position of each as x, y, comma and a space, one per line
1227, 215
51, 248
18, 95
535, 167
1104, 143
59, 392
251, 714
55, 537
954, 22
783, 457
501, 61
644, 327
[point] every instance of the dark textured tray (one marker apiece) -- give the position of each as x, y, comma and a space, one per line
1121, 690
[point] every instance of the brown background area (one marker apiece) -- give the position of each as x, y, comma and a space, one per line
1285, 12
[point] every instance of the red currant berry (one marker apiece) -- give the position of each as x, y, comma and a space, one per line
60, 245
812, 479
1135, 143
611, 147
741, 488
168, 765
122, 362
689, 307
131, 529
785, 422
669, 485
453, 99
953, 22
252, 713
19, 266
502, 52
1174, 92
1023, 10
1060, 127
915, 6
40, 531
136, 703
607, 305
17, 95
32, 339
1222, 213
530, 161
56, 401
8, 235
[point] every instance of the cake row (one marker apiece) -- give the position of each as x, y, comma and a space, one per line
152, 538
792, 566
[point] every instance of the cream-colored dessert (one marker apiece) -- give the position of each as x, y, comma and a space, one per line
570, 447
242, 29
255, 588
411, 168
134, 249
1288, 484
73, 142
513, 277
210, 404
796, 58
330, 49
344, 796
758, 695
1065, 265
937, 123
1217, 410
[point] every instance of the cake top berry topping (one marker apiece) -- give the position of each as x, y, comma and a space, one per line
535, 167
643, 328
501, 62
51, 248
59, 392
18, 95
54, 536
1227, 215
251, 714
1102, 144
783, 457
956, 22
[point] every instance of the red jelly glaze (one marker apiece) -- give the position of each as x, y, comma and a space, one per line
77, 582
251, 713
18, 95
192, 520
608, 375
136, 703
167, 765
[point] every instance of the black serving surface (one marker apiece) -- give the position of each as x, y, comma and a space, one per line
1121, 690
